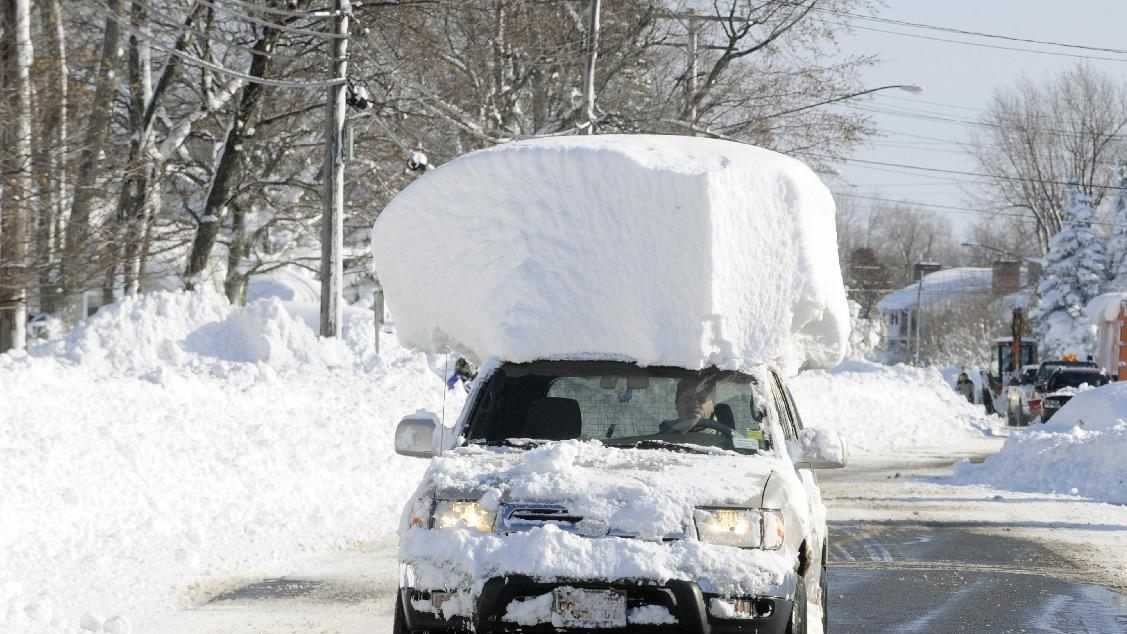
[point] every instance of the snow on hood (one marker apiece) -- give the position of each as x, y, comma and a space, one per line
643, 493
666, 250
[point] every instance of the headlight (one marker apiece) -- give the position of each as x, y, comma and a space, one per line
462, 514
745, 528
1015, 397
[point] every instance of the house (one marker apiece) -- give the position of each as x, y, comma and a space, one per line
1009, 282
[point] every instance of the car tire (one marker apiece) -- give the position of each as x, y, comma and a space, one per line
797, 624
400, 624
825, 601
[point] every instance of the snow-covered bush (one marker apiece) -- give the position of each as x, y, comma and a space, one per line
1075, 272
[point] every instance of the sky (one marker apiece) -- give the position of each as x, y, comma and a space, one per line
958, 82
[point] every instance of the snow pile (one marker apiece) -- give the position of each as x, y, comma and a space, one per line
1080, 451
173, 442
142, 332
266, 332
667, 250
888, 410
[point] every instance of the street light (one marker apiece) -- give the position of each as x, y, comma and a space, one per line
912, 88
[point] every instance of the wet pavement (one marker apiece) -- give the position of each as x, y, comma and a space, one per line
895, 577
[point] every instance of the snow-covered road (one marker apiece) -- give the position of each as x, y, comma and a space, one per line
940, 559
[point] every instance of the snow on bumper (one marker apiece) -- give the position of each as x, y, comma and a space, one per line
463, 562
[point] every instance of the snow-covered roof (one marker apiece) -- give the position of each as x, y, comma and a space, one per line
668, 250
1104, 307
939, 286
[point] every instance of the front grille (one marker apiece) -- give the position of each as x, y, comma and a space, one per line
517, 517
514, 518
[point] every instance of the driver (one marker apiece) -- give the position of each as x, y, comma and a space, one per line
693, 402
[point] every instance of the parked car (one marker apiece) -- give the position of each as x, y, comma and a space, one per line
1063, 383
1034, 395
600, 495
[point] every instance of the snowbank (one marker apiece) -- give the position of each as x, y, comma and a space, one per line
668, 250
172, 442
1080, 452
890, 410
1094, 408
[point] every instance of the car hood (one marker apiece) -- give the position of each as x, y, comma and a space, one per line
637, 503
644, 493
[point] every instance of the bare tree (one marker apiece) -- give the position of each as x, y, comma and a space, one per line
1040, 136
15, 204
80, 241
905, 236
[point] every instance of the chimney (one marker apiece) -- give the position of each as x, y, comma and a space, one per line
924, 268
1006, 277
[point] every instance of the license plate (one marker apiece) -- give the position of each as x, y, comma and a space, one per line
582, 608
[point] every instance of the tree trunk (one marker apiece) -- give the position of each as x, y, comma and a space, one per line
17, 188
226, 171
589, 69
235, 285
79, 255
54, 167
134, 199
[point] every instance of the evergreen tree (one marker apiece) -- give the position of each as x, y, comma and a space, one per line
1075, 272
1117, 244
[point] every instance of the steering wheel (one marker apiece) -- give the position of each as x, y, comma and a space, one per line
708, 423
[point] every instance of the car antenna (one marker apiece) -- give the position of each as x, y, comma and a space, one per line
442, 419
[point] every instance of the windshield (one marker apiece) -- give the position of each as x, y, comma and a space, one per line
621, 404
1065, 378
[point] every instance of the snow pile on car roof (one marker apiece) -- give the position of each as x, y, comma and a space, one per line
666, 250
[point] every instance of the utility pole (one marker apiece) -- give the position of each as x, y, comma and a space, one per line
592, 56
332, 222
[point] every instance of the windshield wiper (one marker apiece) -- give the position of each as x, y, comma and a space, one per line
519, 443
659, 444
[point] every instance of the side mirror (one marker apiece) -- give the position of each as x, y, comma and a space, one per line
415, 435
818, 449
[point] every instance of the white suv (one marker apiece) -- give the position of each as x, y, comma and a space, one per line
600, 495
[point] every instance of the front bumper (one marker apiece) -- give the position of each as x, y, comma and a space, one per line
1048, 408
683, 599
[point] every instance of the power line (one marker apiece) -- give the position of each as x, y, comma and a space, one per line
315, 14
224, 38
999, 47
957, 31
956, 209
939, 170
271, 25
967, 122
125, 26
948, 208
